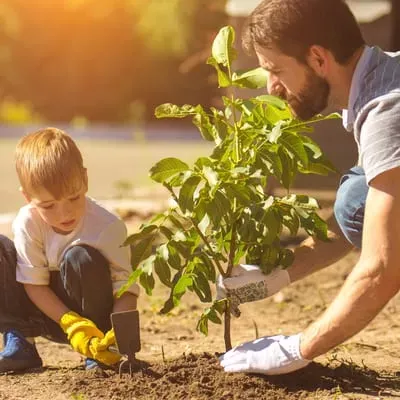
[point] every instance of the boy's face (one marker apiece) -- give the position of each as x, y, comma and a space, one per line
63, 214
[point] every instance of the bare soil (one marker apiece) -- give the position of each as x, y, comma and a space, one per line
183, 364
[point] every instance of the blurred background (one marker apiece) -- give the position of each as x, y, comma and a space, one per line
98, 68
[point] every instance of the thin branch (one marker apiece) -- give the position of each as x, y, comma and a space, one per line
232, 250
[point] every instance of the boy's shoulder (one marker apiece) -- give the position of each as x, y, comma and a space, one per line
27, 213
99, 214
27, 218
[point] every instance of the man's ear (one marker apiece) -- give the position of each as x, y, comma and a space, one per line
26, 195
318, 59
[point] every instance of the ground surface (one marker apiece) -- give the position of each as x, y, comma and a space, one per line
183, 363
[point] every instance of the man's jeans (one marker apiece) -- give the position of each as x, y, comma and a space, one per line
350, 204
83, 284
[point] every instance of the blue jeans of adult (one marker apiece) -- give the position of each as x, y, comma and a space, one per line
350, 202
83, 284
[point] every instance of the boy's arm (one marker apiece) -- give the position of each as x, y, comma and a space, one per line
126, 302
46, 300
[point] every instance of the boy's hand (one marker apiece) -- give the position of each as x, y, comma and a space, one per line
80, 332
100, 349
249, 283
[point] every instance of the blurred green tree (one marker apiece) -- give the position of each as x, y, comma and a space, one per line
94, 58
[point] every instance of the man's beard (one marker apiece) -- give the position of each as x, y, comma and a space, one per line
312, 99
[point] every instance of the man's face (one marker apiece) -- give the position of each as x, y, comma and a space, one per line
63, 214
306, 93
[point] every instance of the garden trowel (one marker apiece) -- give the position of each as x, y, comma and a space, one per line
127, 336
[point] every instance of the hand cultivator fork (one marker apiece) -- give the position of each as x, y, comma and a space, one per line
127, 336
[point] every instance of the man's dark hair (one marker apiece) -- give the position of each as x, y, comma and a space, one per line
293, 26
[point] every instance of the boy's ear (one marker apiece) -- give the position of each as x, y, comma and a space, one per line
26, 195
85, 178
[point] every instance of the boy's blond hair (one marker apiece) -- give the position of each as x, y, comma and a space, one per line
49, 159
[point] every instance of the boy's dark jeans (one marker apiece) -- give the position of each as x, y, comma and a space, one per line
83, 284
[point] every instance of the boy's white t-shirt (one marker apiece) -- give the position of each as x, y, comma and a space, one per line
40, 249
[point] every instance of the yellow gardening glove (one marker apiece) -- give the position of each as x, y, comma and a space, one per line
100, 349
80, 332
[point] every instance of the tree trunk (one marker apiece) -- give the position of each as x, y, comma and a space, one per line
395, 17
227, 329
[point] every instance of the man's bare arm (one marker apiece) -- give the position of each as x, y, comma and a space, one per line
313, 255
374, 280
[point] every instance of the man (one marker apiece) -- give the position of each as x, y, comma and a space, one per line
315, 56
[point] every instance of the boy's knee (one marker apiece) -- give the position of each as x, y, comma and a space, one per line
6, 242
7, 250
85, 260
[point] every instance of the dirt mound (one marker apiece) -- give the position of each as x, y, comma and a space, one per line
199, 377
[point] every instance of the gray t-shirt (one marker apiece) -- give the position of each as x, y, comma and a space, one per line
377, 113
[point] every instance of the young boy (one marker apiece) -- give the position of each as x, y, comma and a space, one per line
60, 277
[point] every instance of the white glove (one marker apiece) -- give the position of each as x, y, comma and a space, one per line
249, 283
270, 355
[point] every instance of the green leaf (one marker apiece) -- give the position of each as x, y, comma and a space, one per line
211, 176
169, 110
146, 278
273, 223
295, 145
162, 270
320, 227
286, 258
166, 232
252, 79
300, 200
209, 314
223, 78
167, 168
173, 257
222, 47
276, 133
311, 146
209, 267
173, 300
183, 283
177, 223
289, 169
218, 208
238, 192
272, 100
186, 193
202, 121
204, 224
144, 233
290, 219
141, 250
269, 258
131, 280
202, 287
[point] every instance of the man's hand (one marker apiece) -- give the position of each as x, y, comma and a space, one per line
249, 283
270, 355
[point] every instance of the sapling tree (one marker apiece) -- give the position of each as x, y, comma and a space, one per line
221, 214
